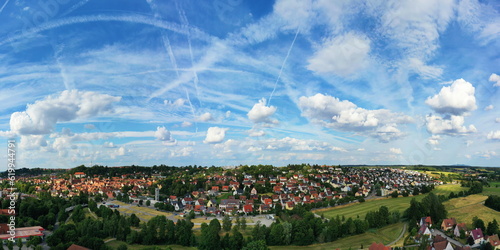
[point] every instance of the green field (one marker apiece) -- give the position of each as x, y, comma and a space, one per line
401, 203
384, 235
492, 189
463, 209
116, 243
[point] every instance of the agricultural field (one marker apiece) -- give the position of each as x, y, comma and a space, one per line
492, 189
144, 213
463, 209
400, 203
384, 235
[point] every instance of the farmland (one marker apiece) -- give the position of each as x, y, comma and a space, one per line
465, 208
401, 203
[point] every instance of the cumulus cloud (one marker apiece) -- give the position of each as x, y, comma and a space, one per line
215, 135
342, 55
489, 107
452, 126
42, 116
205, 117
494, 135
108, 145
344, 115
175, 104
29, 142
434, 140
497, 120
457, 99
496, 79
396, 151
162, 134
260, 113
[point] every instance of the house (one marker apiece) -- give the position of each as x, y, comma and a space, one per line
79, 174
477, 235
264, 208
442, 245
426, 221
458, 228
378, 246
77, 247
229, 203
424, 230
494, 241
254, 191
247, 208
448, 224
290, 205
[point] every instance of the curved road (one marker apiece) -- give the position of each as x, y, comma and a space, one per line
400, 236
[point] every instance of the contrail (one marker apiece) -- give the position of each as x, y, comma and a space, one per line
282, 66
3, 6
120, 18
185, 21
74, 7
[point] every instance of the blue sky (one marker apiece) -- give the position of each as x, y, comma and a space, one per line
229, 82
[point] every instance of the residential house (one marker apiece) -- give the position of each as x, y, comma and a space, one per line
263, 208
494, 241
441, 243
448, 224
378, 246
229, 203
426, 221
477, 235
248, 208
458, 228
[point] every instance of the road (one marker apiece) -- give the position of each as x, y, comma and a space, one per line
452, 241
400, 236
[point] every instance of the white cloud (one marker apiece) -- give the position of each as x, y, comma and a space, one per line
228, 114
396, 151
205, 117
182, 152
343, 55
215, 135
496, 79
256, 133
42, 116
186, 124
452, 126
108, 145
497, 120
339, 149
494, 135
361, 149
424, 70
489, 107
434, 140
175, 104
260, 113
295, 13
345, 115
29, 142
457, 99
162, 134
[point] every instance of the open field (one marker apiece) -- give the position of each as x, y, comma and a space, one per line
355, 209
400, 203
143, 213
448, 188
384, 235
465, 208
493, 189
116, 243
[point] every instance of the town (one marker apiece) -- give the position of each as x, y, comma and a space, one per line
256, 197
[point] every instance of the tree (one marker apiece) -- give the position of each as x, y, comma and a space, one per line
478, 223
287, 233
256, 245
148, 203
394, 194
10, 245
210, 238
492, 227
243, 223
122, 247
236, 241
226, 223
141, 202
19, 243
276, 235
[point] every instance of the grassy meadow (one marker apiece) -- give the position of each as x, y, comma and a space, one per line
463, 209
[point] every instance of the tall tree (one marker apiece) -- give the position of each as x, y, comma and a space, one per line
226, 223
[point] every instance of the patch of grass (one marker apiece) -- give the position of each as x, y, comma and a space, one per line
447, 189
384, 235
463, 209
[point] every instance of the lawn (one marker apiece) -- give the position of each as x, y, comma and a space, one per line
400, 203
463, 209
384, 235
116, 243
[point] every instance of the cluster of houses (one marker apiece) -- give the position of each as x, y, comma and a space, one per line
439, 241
